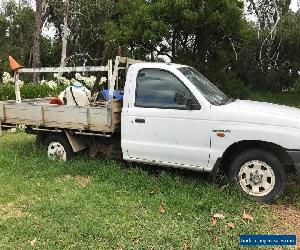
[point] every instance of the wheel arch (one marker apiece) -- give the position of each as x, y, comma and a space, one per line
236, 148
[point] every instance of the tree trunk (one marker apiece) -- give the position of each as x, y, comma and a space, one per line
64, 35
200, 6
174, 43
36, 57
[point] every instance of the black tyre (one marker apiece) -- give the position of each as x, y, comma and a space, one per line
58, 147
40, 138
259, 174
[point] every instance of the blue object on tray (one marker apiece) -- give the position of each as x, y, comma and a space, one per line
118, 94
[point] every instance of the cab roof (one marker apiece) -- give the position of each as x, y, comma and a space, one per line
158, 65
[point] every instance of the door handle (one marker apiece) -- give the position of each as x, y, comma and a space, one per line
138, 120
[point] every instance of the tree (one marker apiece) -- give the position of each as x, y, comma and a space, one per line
16, 33
65, 34
85, 26
149, 29
268, 15
36, 57
205, 34
289, 61
185, 31
40, 10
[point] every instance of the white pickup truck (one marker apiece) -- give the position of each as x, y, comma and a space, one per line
173, 116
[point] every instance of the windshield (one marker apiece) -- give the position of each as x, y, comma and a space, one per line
208, 89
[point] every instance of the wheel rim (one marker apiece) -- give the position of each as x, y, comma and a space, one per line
256, 178
57, 151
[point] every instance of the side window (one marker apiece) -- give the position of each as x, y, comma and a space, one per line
160, 89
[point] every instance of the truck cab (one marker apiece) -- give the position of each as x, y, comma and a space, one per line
173, 116
164, 118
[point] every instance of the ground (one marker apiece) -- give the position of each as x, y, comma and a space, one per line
106, 204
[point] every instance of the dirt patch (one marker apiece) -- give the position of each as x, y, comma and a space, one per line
10, 210
83, 181
286, 220
64, 178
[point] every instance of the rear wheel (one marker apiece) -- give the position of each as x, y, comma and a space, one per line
58, 147
259, 174
40, 138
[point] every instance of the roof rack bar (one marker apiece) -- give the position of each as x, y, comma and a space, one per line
63, 69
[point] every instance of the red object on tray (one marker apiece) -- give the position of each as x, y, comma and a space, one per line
56, 100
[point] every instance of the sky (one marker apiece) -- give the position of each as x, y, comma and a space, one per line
294, 6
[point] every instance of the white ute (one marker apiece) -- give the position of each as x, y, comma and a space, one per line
173, 116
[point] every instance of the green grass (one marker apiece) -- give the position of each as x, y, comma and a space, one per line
289, 99
107, 204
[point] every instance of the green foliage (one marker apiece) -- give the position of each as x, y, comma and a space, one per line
16, 36
296, 85
29, 91
50, 53
288, 98
200, 36
235, 88
175, 28
290, 50
138, 29
16, 33
7, 92
229, 83
280, 68
86, 25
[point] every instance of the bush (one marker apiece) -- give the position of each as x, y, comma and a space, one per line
296, 86
29, 91
230, 84
235, 88
7, 92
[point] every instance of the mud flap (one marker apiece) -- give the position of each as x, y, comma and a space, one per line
76, 142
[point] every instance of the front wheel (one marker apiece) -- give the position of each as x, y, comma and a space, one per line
259, 174
59, 147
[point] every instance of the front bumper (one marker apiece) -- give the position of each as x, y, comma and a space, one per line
295, 156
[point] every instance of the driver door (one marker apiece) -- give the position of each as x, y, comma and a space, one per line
166, 124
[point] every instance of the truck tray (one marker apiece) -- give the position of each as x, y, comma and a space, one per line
39, 113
